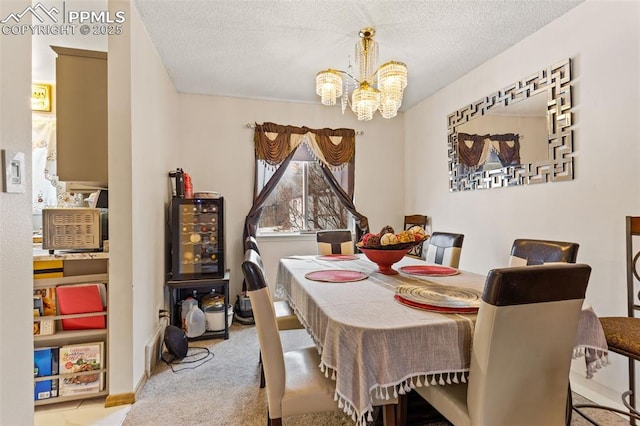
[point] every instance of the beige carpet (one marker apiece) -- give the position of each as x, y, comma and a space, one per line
224, 390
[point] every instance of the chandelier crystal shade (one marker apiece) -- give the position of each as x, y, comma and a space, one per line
329, 86
376, 89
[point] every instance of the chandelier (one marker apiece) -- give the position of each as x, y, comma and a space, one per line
376, 89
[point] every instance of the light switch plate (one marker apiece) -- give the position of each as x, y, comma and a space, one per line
13, 171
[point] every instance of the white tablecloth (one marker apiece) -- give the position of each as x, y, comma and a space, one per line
376, 348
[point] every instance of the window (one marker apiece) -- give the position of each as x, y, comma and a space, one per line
303, 201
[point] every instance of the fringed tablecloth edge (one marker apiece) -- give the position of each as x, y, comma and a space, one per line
595, 358
282, 294
401, 387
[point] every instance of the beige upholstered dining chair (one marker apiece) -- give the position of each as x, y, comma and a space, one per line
536, 252
513, 349
444, 248
525, 251
623, 333
251, 243
285, 317
294, 383
335, 242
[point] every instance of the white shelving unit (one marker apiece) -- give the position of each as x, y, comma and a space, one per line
69, 337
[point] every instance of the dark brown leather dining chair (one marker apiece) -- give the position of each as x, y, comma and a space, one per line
536, 252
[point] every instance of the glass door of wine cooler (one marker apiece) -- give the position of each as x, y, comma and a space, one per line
197, 238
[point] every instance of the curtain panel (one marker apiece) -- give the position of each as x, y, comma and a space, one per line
45, 184
276, 145
474, 149
508, 148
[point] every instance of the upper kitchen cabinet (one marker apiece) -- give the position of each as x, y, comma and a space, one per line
81, 115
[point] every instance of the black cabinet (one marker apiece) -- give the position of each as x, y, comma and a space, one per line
179, 290
197, 238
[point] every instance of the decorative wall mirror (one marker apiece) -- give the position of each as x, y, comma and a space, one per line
516, 136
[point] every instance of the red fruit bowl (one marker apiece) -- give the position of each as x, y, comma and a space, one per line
384, 258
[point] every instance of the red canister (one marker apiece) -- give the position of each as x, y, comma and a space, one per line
188, 186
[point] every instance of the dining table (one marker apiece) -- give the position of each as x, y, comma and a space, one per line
374, 346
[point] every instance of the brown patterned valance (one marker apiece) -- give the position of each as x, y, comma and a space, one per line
273, 142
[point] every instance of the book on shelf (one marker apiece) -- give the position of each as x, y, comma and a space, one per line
81, 359
44, 305
81, 299
45, 363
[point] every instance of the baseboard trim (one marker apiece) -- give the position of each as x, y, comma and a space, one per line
120, 399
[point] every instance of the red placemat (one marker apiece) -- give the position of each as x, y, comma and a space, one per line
336, 276
441, 309
429, 270
338, 257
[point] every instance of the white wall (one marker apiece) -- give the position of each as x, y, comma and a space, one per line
120, 320
142, 146
216, 149
16, 276
602, 39
154, 149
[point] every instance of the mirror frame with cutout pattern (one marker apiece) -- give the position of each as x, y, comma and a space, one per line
555, 81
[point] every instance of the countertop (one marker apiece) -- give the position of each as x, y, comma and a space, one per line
40, 254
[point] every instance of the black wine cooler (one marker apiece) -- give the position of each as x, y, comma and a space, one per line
197, 238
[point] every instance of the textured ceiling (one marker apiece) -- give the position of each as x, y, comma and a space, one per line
273, 49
